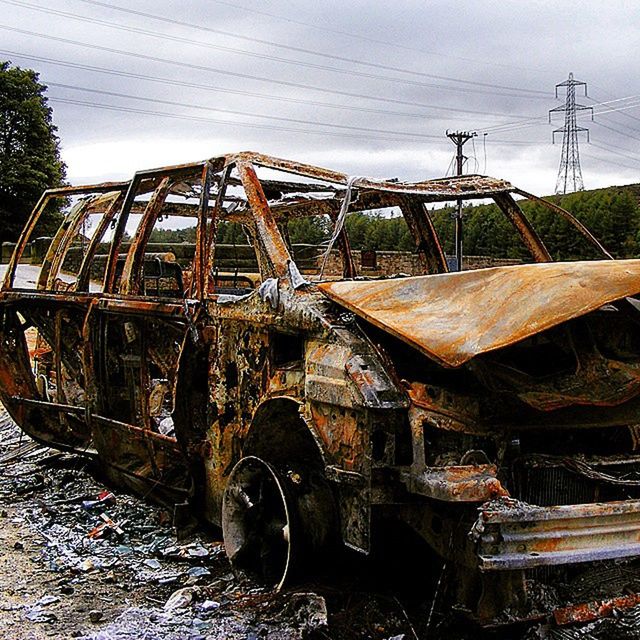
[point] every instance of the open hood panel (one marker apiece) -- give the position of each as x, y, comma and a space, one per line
453, 317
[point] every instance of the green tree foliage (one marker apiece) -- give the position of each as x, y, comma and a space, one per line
375, 230
165, 236
231, 233
29, 150
313, 230
612, 215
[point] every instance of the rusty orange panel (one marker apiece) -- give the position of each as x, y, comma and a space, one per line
453, 317
593, 610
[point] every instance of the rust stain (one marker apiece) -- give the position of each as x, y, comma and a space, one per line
594, 610
192, 383
456, 316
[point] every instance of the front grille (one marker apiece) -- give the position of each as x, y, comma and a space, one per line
551, 485
544, 481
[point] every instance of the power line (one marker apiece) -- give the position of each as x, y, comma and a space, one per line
208, 87
322, 54
629, 102
606, 116
264, 126
370, 133
632, 117
618, 149
512, 126
524, 143
626, 134
269, 117
474, 156
217, 89
192, 118
235, 74
621, 109
364, 38
161, 101
484, 148
615, 151
260, 55
612, 162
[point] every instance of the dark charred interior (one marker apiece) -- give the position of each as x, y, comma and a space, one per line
295, 417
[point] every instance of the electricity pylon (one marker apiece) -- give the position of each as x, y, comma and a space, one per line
570, 173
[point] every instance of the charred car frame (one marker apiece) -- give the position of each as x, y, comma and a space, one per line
493, 411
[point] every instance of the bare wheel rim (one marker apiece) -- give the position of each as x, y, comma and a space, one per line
256, 524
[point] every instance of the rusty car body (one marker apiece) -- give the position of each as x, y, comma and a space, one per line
495, 412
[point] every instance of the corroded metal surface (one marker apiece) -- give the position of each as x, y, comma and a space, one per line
459, 483
590, 611
512, 535
172, 372
457, 316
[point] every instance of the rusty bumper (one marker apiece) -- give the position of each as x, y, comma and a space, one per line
513, 535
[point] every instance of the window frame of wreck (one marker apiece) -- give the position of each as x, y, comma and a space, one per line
94, 196
260, 216
158, 182
272, 244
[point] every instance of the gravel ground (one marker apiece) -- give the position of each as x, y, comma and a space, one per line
65, 573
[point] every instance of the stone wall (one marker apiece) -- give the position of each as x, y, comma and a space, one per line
392, 262
242, 257
7, 252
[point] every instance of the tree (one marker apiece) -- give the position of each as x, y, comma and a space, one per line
29, 150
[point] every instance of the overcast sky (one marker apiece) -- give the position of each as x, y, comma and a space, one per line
368, 88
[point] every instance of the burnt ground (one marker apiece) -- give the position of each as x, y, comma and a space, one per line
56, 581
66, 573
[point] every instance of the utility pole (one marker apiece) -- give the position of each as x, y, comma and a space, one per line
570, 173
459, 138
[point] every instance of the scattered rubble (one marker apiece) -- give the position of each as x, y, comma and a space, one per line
142, 582
135, 578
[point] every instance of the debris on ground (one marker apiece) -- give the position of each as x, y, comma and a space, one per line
79, 560
104, 565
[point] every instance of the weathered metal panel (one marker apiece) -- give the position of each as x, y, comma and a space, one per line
515, 535
458, 483
453, 317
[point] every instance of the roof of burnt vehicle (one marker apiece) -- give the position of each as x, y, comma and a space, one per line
277, 185
294, 189
440, 188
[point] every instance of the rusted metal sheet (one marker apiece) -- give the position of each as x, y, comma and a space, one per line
460, 483
590, 611
191, 384
274, 250
454, 317
426, 238
514, 535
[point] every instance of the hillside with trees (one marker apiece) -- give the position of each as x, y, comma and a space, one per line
611, 214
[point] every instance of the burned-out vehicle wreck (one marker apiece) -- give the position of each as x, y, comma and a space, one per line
494, 412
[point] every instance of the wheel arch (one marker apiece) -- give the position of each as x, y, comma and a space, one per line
280, 433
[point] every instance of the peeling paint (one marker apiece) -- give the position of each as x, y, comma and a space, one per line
495, 412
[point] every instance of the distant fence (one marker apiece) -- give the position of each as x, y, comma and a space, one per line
242, 257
